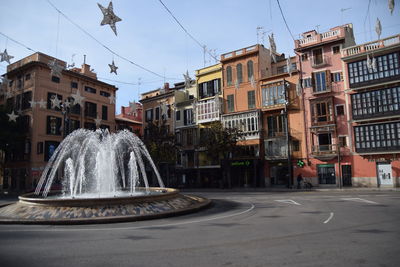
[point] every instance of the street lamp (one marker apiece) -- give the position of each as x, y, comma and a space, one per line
289, 158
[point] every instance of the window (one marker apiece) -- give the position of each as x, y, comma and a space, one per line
55, 79
273, 94
103, 93
231, 103
229, 75
377, 137
250, 70
281, 69
157, 113
276, 126
51, 96
318, 57
295, 145
188, 116
26, 97
307, 82
53, 125
50, 148
74, 109
321, 81
321, 112
90, 126
336, 77
90, 109
27, 77
149, 115
239, 74
210, 88
339, 110
90, 89
39, 148
74, 125
104, 113
74, 85
251, 99
178, 115
387, 66
376, 103
336, 49
304, 57
343, 141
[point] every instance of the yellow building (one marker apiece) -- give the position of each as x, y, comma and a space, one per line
208, 109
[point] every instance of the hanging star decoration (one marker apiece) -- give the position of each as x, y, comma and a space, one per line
109, 17
133, 107
113, 68
378, 28
272, 47
55, 102
391, 6
42, 103
67, 103
97, 121
4, 81
33, 103
56, 69
112, 99
252, 81
5, 57
187, 79
12, 116
164, 110
371, 64
237, 84
78, 98
289, 66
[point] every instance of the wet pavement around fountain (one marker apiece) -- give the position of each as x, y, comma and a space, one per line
350, 228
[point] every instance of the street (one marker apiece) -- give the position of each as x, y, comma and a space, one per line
349, 228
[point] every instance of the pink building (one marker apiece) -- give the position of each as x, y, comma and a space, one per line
328, 160
372, 83
131, 118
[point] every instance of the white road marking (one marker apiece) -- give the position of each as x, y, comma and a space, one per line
330, 217
288, 201
356, 199
132, 227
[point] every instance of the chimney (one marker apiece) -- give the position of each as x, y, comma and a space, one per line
166, 86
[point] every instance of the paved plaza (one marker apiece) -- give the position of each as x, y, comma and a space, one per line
345, 228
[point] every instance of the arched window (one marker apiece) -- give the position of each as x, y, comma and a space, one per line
250, 71
239, 73
229, 75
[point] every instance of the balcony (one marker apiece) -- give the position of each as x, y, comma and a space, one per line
240, 52
208, 110
313, 38
325, 152
275, 149
371, 46
319, 62
247, 122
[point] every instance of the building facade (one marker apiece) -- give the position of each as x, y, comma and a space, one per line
327, 138
131, 119
242, 69
372, 81
51, 107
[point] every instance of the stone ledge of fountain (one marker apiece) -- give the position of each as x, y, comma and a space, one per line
95, 211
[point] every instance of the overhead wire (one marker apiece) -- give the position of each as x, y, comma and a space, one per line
284, 19
187, 32
100, 43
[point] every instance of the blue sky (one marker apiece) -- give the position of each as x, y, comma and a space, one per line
148, 35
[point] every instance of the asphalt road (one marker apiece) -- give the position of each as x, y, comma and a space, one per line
240, 229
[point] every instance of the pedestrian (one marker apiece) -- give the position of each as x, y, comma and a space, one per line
299, 180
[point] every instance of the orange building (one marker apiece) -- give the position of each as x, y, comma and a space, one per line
372, 82
242, 70
282, 109
46, 105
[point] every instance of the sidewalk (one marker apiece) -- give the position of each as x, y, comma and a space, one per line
271, 189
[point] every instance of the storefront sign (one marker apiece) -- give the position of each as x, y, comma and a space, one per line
245, 163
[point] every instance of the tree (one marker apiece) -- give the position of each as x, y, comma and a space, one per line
218, 141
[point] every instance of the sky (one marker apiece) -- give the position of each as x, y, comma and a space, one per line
150, 37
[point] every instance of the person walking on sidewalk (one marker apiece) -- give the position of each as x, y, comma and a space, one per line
299, 180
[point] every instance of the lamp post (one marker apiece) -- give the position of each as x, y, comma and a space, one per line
289, 158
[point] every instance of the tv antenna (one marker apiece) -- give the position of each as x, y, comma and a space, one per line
341, 13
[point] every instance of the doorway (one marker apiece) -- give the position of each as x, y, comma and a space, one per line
346, 175
326, 174
384, 173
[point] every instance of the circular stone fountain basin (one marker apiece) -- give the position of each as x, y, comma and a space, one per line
154, 203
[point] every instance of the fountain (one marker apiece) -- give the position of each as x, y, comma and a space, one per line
104, 179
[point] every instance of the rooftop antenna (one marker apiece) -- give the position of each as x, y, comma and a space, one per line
84, 59
259, 33
341, 12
